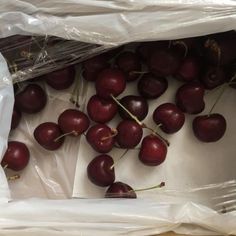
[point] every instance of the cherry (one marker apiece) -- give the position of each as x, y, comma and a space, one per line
110, 81
150, 86
16, 156
16, 117
32, 99
164, 62
100, 170
61, 79
129, 63
189, 98
189, 69
170, 117
209, 128
101, 138
49, 135
93, 66
213, 77
101, 110
73, 122
120, 190
153, 151
129, 134
137, 105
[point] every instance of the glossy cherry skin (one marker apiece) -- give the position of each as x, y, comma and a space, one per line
31, 100
120, 190
100, 170
153, 151
164, 62
16, 117
93, 66
47, 133
170, 117
189, 69
101, 110
61, 79
213, 77
150, 86
190, 98
129, 134
16, 156
129, 62
110, 82
73, 122
100, 138
137, 105
209, 128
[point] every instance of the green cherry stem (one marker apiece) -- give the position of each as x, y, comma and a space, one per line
162, 184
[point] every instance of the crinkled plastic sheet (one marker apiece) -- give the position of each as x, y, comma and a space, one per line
111, 23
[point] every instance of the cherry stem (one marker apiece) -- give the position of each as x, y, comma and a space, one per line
211, 43
75, 93
162, 184
66, 134
126, 151
138, 72
223, 88
114, 133
157, 127
4, 168
184, 45
14, 177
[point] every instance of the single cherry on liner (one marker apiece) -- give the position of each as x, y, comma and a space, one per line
136, 105
16, 117
73, 122
110, 82
101, 138
16, 156
190, 98
31, 100
101, 110
120, 190
150, 86
153, 151
170, 118
129, 134
209, 128
49, 136
100, 170
61, 79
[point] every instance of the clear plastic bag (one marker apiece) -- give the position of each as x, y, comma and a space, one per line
108, 23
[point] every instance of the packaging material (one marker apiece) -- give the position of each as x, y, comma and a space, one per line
112, 23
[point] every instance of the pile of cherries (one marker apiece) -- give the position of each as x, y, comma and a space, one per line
198, 63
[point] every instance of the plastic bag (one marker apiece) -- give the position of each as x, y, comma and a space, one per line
128, 21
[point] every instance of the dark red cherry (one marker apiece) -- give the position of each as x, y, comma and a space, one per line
153, 151
101, 110
170, 117
31, 100
73, 122
16, 156
137, 105
16, 117
189, 69
164, 62
100, 170
190, 98
48, 135
110, 82
150, 86
61, 79
101, 138
129, 63
213, 77
93, 66
209, 128
120, 190
129, 134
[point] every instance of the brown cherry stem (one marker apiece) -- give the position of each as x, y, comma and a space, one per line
138, 72
162, 184
114, 133
182, 44
66, 134
126, 151
75, 93
14, 177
